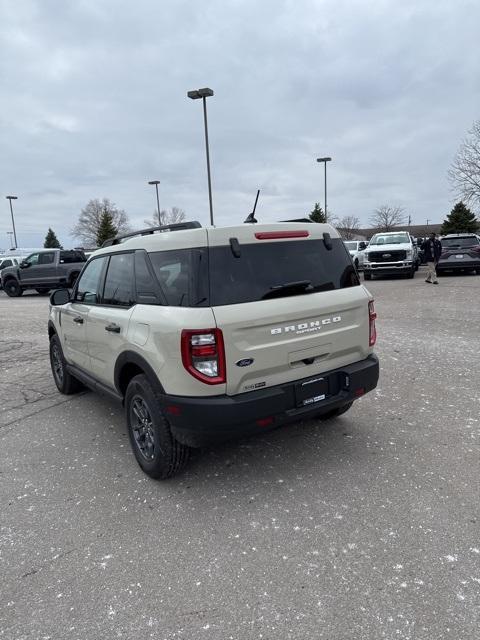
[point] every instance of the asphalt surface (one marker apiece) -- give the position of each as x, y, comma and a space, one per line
364, 527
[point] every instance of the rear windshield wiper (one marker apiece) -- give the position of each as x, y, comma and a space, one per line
289, 288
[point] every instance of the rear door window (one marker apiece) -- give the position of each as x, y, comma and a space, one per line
263, 270
119, 289
70, 257
46, 258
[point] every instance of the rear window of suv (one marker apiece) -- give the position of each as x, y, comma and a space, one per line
461, 241
278, 269
215, 277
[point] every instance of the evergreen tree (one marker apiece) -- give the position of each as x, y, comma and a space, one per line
460, 220
317, 214
106, 228
51, 240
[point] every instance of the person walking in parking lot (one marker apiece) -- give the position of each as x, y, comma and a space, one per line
433, 250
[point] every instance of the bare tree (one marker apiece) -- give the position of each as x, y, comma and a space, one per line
386, 217
464, 174
173, 216
348, 227
90, 220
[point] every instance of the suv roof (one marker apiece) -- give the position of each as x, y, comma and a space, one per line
460, 235
192, 235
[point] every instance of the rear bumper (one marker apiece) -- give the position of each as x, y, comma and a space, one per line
450, 265
202, 421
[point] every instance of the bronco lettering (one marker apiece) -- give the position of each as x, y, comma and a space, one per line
305, 327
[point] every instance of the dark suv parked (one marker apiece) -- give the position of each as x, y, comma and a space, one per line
460, 252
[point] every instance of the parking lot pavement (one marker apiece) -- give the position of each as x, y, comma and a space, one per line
367, 527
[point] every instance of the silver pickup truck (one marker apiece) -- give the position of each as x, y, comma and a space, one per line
43, 271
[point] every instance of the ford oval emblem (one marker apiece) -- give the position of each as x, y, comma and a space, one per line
246, 362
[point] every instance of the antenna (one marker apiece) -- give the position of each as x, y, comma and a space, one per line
251, 217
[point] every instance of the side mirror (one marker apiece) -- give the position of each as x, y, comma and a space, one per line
362, 246
24, 264
59, 297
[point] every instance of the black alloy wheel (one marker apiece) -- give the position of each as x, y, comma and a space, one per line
64, 381
142, 427
157, 451
12, 288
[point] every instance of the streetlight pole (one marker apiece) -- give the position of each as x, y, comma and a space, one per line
204, 94
10, 198
156, 183
10, 234
325, 160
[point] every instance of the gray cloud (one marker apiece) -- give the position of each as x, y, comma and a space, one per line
94, 104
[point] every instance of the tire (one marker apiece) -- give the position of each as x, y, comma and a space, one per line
12, 288
355, 262
65, 382
411, 273
42, 292
367, 276
336, 412
157, 452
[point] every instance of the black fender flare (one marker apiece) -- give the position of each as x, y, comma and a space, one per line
131, 357
10, 276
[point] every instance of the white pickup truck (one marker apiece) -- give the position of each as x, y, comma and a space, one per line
389, 253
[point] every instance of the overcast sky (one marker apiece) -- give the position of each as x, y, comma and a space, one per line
93, 104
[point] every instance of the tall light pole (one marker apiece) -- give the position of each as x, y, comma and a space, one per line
156, 183
325, 160
204, 94
10, 234
10, 198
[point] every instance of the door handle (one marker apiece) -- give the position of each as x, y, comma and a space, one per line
113, 328
78, 320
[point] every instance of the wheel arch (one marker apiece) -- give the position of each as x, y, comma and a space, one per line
130, 364
51, 330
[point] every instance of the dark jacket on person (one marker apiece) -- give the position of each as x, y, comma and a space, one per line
432, 249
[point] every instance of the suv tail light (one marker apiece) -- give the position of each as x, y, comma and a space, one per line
371, 324
203, 355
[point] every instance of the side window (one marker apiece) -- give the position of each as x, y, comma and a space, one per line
119, 281
32, 259
144, 283
46, 258
88, 289
173, 272
69, 257
6, 263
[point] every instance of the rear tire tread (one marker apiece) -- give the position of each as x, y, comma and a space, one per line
178, 454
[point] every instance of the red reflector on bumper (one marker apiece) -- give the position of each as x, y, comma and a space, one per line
264, 422
360, 392
173, 410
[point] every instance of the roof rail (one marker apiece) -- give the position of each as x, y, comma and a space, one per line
177, 226
298, 220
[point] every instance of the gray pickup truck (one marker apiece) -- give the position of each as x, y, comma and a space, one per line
43, 271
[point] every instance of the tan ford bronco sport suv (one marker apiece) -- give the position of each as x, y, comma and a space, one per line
206, 334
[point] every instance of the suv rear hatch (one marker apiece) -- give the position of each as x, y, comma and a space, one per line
288, 302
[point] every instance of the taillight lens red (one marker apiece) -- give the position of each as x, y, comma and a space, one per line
372, 316
203, 355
